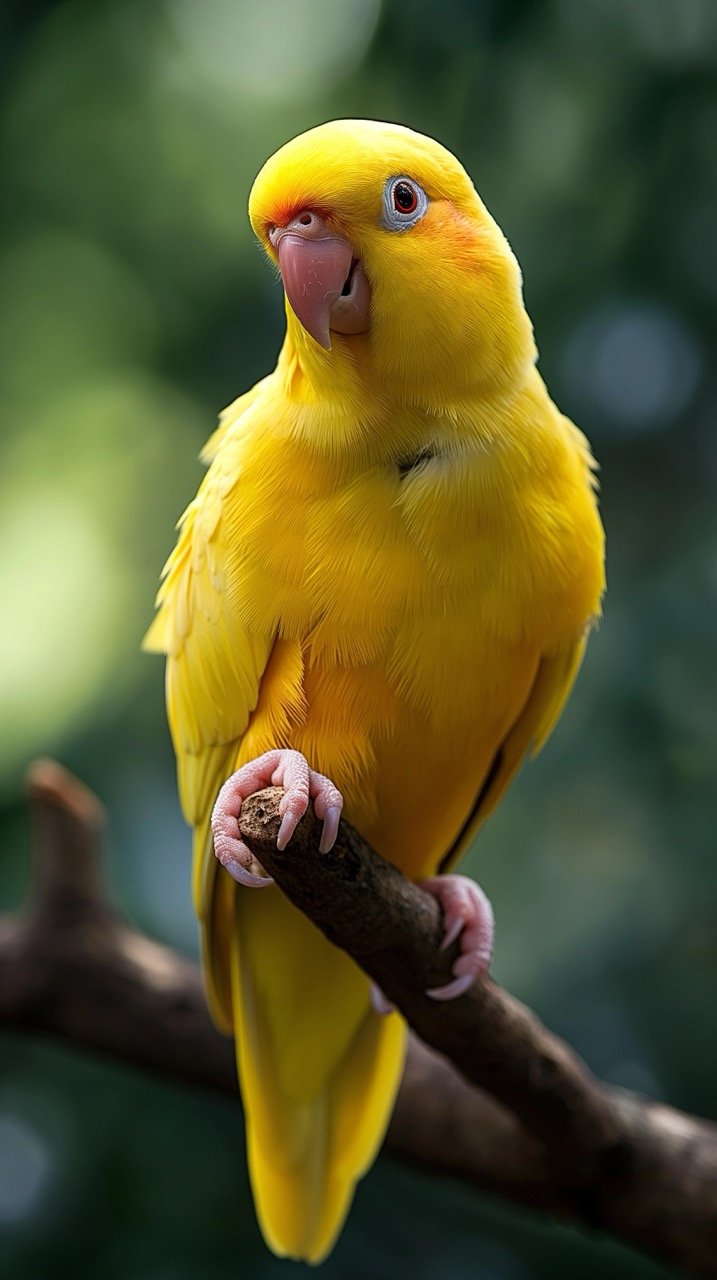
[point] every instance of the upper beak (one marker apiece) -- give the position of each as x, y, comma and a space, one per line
315, 268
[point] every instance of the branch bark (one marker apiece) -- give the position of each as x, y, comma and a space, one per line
521, 1116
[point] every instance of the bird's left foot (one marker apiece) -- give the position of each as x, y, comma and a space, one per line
467, 915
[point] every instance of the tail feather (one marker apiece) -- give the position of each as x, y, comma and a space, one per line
216, 928
362, 1093
216, 934
314, 1128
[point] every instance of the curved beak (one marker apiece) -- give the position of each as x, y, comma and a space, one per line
315, 269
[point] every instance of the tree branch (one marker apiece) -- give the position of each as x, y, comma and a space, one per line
72, 967
630, 1167
533, 1124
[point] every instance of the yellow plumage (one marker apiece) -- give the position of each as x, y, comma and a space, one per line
392, 565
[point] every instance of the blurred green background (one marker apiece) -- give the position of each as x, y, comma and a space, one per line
134, 305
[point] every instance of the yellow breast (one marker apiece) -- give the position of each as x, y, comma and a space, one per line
413, 596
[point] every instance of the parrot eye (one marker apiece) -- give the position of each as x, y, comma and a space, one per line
405, 197
404, 203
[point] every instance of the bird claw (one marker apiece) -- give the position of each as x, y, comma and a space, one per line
451, 990
286, 830
239, 872
279, 768
468, 915
330, 829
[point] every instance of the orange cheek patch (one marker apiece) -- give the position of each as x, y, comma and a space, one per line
459, 230
465, 243
448, 228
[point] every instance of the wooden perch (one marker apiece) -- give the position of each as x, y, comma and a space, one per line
532, 1125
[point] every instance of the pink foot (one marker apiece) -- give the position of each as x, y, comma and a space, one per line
468, 915
280, 768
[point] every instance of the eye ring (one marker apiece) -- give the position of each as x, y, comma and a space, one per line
404, 203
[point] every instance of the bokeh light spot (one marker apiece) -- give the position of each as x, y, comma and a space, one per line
633, 365
276, 49
56, 643
25, 1168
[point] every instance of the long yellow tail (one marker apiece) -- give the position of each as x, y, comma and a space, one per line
318, 1068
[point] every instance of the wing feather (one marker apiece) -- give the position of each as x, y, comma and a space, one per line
215, 666
550, 690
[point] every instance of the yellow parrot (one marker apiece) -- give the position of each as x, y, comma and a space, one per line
380, 597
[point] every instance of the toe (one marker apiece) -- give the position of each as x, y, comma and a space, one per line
291, 773
238, 859
468, 917
228, 847
328, 803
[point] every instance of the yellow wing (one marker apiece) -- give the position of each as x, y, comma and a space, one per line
318, 1069
550, 690
213, 678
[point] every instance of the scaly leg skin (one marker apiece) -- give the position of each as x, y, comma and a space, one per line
468, 915
280, 768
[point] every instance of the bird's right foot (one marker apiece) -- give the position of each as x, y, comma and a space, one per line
279, 768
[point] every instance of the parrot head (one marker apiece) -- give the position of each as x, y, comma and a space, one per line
388, 256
